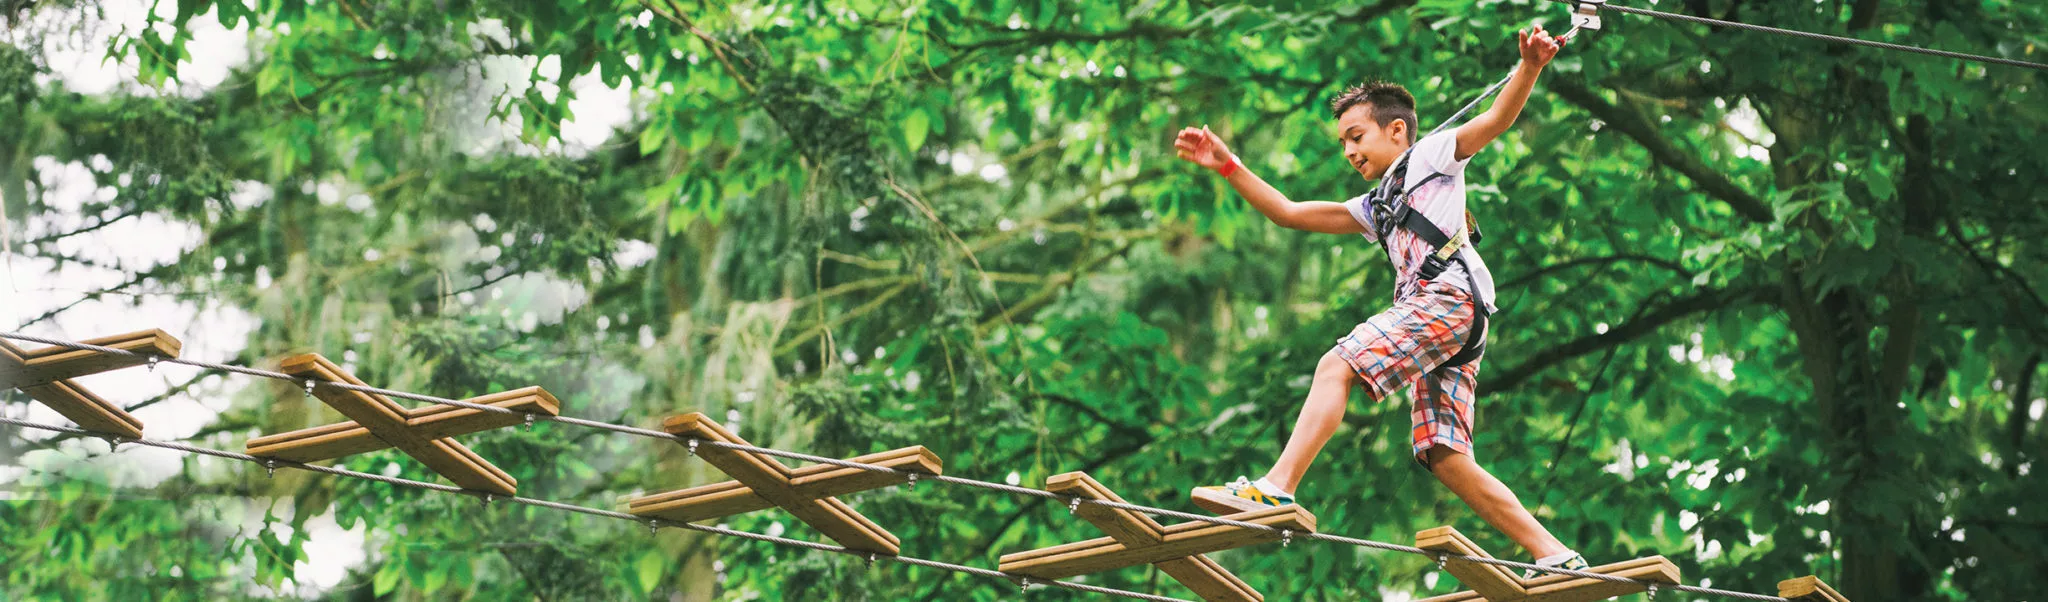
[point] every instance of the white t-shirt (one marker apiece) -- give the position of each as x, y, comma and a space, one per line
1443, 202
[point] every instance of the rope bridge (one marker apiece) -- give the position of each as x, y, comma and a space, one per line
761, 482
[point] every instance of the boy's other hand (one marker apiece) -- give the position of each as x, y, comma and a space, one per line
1202, 147
1538, 46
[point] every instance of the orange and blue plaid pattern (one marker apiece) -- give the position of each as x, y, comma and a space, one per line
1409, 342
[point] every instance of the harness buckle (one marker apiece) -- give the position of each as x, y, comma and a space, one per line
1586, 13
1451, 248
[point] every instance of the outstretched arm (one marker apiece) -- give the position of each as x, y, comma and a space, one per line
1537, 47
1203, 147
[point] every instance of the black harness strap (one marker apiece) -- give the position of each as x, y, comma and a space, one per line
1391, 210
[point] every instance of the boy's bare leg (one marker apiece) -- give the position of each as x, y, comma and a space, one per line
1328, 395
1492, 500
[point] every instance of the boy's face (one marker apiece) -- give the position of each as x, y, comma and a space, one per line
1369, 148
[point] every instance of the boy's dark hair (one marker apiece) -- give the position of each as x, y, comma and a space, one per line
1389, 101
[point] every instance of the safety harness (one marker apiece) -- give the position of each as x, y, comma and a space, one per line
1390, 210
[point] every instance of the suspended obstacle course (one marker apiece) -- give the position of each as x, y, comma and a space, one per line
761, 482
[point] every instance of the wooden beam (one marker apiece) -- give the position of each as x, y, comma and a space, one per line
1130, 528
1179, 541
1493, 583
763, 477
44, 374
54, 363
433, 422
390, 422
719, 500
1488, 581
1136, 530
1808, 589
1209, 580
85, 408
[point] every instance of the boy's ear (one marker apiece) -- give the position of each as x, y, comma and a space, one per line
1397, 132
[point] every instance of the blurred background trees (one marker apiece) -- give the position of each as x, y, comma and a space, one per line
1770, 307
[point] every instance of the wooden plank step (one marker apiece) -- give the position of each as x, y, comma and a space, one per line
728, 498
390, 422
1493, 583
349, 438
54, 363
1179, 541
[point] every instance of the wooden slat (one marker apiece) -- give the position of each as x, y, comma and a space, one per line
1135, 530
717, 500
313, 365
1180, 541
820, 481
770, 480
45, 373
1581, 589
852, 529
88, 410
1809, 589
54, 363
812, 479
697, 425
349, 438
1208, 580
1492, 582
1125, 526
389, 421
1182, 528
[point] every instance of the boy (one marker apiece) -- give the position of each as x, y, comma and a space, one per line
1435, 332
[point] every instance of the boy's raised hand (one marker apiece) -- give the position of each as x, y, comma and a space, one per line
1538, 46
1203, 147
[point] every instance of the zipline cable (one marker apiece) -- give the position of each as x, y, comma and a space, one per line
1808, 35
908, 476
273, 464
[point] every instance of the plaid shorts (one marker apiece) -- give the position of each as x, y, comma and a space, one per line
1410, 341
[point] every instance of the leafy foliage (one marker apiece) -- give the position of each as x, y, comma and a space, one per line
1771, 308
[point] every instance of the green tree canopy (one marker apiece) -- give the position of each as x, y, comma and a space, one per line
1770, 307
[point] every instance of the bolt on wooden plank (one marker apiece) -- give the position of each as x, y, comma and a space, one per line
761, 482
1494, 583
45, 375
1135, 539
425, 433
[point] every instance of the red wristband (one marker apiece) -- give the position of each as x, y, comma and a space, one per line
1229, 168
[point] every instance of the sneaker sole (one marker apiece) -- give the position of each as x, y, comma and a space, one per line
1222, 502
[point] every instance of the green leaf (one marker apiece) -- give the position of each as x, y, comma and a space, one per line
437, 576
915, 126
1879, 183
386, 579
653, 136
649, 570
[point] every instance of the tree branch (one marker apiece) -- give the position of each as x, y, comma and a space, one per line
1047, 36
1633, 329
1076, 405
1638, 127
1569, 264
96, 226
2016, 422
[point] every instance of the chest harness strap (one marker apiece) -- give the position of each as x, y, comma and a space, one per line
1391, 210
